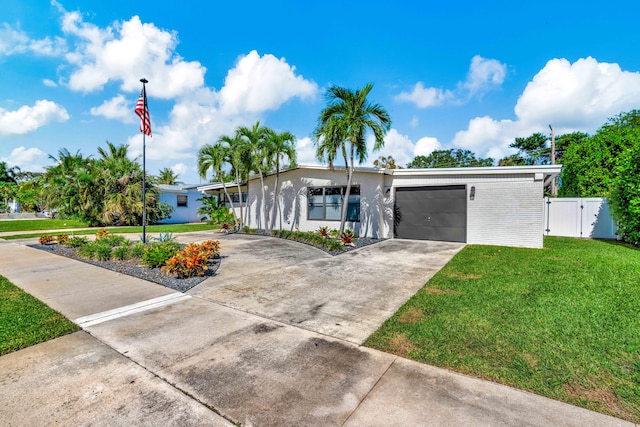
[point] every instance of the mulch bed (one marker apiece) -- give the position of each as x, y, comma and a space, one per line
132, 268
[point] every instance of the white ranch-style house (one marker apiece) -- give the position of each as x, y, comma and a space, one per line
486, 205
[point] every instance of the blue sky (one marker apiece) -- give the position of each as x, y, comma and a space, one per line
459, 74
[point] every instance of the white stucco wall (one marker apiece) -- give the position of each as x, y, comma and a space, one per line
292, 204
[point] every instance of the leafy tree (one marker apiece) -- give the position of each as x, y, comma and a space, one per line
625, 196
513, 160
453, 158
68, 187
240, 160
386, 162
209, 204
345, 121
215, 157
589, 167
168, 176
536, 149
279, 147
8, 174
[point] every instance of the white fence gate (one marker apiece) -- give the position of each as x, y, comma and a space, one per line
579, 217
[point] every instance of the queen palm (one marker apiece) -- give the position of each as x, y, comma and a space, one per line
214, 157
343, 125
278, 147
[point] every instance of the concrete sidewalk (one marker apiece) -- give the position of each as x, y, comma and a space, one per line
152, 356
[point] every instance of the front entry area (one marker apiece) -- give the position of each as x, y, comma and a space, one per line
431, 213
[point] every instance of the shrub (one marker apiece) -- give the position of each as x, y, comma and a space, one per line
324, 231
334, 233
114, 240
165, 237
625, 197
211, 248
189, 262
87, 251
102, 252
121, 253
347, 237
156, 254
45, 239
76, 241
62, 238
136, 250
102, 233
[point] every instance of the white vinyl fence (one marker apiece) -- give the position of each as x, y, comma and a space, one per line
579, 217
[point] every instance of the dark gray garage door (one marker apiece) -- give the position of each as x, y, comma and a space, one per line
431, 213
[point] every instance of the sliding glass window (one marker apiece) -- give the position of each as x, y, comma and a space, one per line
325, 203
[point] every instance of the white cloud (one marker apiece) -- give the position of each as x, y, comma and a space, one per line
27, 159
15, 41
577, 96
180, 169
29, 118
126, 51
425, 97
306, 152
583, 94
49, 83
117, 108
425, 146
484, 74
262, 83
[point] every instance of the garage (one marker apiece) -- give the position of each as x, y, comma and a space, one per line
431, 213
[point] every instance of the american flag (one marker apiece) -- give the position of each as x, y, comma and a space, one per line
143, 112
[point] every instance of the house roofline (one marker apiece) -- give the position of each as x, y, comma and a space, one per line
545, 172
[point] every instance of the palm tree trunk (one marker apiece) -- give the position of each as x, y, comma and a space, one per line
345, 200
263, 207
239, 198
224, 187
275, 199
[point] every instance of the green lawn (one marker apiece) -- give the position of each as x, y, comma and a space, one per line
25, 321
168, 228
563, 321
39, 224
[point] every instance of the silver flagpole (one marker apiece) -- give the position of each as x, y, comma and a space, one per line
144, 162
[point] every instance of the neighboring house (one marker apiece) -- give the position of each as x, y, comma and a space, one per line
183, 199
486, 205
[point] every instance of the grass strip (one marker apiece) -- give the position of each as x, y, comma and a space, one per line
165, 228
39, 224
26, 321
562, 321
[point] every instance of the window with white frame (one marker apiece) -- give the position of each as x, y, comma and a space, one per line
325, 203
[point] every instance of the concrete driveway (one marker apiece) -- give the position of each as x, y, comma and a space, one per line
346, 296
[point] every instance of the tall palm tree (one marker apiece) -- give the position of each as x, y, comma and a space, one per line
8, 174
279, 146
254, 139
168, 176
240, 159
343, 125
214, 157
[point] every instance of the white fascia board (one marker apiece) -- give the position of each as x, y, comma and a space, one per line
545, 170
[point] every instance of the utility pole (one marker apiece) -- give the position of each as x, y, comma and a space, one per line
554, 184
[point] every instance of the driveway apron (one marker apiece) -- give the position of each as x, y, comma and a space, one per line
346, 296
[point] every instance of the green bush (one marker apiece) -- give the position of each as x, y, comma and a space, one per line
87, 251
76, 242
114, 240
625, 197
156, 254
102, 252
121, 253
136, 250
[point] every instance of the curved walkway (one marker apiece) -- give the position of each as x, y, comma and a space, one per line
245, 357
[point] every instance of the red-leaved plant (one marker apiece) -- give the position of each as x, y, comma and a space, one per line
192, 260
